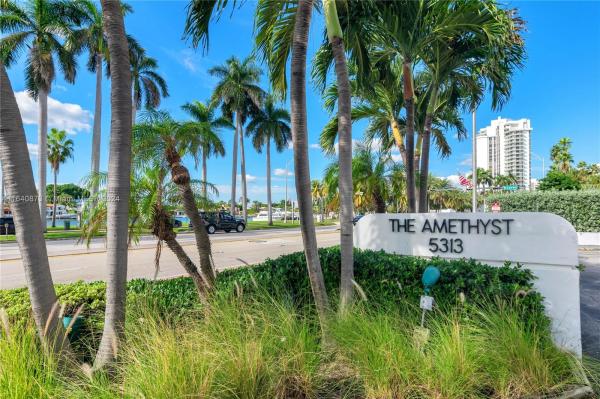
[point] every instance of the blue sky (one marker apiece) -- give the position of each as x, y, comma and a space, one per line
559, 89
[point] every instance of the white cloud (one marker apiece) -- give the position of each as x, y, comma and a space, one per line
290, 145
194, 63
396, 157
314, 146
355, 143
453, 179
63, 116
282, 172
467, 160
249, 178
33, 150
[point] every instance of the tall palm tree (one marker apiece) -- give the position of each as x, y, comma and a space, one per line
483, 51
93, 39
119, 172
44, 28
206, 142
238, 92
158, 138
484, 178
147, 84
561, 156
60, 148
318, 195
336, 41
270, 124
282, 31
18, 179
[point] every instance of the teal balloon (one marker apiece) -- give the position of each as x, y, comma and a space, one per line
431, 275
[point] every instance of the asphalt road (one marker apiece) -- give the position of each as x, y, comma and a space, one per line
71, 262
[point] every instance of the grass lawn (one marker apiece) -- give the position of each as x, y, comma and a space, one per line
55, 233
281, 225
52, 234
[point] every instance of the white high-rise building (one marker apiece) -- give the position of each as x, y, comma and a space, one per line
504, 148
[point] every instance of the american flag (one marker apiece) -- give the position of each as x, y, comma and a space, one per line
464, 181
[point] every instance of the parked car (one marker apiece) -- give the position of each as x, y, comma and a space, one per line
176, 222
221, 220
7, 225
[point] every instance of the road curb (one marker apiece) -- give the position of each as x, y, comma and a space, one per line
284, 233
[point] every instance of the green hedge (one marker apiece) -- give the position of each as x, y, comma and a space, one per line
580, 208
383, 277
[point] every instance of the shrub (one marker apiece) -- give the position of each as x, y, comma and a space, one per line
580, 208
384, 278
556, 180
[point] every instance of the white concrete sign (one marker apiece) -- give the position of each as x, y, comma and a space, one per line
542, 242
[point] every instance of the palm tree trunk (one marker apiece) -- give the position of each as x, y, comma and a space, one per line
424, 177
18, 180
42, 153
188, 265
97, 134
119, 172
302, 175
379, 201
425, 148
345, 167
181, 177
234, 167
204, 176
243, 172
133, 111
269, 205
399, 139
409, 105
54, 199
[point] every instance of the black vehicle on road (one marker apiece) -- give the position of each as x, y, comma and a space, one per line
222, 220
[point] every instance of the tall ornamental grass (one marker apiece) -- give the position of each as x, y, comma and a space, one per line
245, 347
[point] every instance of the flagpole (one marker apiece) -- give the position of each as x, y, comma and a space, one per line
474, 165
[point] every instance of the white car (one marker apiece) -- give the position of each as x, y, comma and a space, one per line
264, 216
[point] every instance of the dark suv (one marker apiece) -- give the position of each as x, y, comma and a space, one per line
222, 220
7, 223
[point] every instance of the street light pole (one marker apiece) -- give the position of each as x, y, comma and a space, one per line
286, 192
474, 165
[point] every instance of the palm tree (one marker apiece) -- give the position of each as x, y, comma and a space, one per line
206, 142
561, 156
147, 84
238, 92
60, 148
483, 51
119, 172
318, 195
370, 175
336, 41
282, 28
18, 180
270, 124
93, 39
158, 138
484, 178
39, 26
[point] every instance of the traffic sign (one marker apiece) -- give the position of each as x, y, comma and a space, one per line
512, 187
